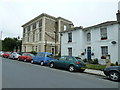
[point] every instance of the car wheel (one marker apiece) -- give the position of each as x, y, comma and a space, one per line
13, 58
25, 60
32, 61
18, 59
51, 65
41, 63
82, 70
71, 68
114, 76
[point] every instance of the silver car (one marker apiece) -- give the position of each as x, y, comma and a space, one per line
14, 55
1, 53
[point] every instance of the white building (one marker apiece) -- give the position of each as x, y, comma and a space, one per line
93, 42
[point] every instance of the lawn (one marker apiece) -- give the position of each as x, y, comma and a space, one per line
95, 66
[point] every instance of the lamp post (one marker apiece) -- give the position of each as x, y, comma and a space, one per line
45, 45
55, 41
1, 41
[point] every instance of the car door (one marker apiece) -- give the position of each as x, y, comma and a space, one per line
68, 61
23, 56
48, 57
28, 57
40, 57
61, 62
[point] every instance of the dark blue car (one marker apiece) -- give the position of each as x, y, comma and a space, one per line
43, 58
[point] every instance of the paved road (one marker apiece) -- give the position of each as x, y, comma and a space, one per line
18, 74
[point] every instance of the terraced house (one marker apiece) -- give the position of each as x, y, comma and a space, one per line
41, 34
101, 41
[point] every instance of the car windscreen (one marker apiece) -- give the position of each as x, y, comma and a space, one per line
41, 54
50, 55
79, 59
30, 55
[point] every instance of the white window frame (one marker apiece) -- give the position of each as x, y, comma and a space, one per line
70, 51
103, 32
104, 50
89, 37
65, 27
70, 37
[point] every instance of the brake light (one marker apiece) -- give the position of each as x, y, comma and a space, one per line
77, 62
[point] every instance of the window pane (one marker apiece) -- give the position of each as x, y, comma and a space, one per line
69, 37
104, 50
103, 32
70, 51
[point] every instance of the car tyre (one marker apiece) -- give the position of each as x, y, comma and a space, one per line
25, 60
114, 76
71, 68
18, 59
41, 63
82, 70
51, 65
32, 62
13, 58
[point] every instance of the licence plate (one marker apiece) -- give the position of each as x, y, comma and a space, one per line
82, 68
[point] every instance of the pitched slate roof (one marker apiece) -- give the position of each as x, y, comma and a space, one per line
101, 24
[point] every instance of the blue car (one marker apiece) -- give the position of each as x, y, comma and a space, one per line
43, 58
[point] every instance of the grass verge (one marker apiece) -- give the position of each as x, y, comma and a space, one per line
95, 67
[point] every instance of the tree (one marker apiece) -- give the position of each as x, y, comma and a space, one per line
9, 44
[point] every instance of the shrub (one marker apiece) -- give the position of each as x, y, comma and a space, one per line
33, 52
85, 60
95, 61
91, 61
112, 64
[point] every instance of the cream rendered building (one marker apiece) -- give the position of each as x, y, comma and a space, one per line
41, 34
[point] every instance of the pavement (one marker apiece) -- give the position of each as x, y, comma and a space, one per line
94, 72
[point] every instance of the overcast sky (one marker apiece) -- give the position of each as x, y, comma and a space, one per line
14, 13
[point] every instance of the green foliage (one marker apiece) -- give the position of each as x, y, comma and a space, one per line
95, 61
92, 61
96, 67
33, 52
9, 44
112, 64
85, 60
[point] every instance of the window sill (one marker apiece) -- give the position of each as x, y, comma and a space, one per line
69, 41
103, 38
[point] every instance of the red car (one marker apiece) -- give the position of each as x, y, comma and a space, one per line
25, 57
6, 54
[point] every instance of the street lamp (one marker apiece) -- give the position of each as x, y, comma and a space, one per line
55, 41
45, 45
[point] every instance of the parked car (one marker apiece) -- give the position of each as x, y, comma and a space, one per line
113, 73
68, 62
25, 57
6, 54
43, 58
14, 55
1, 53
